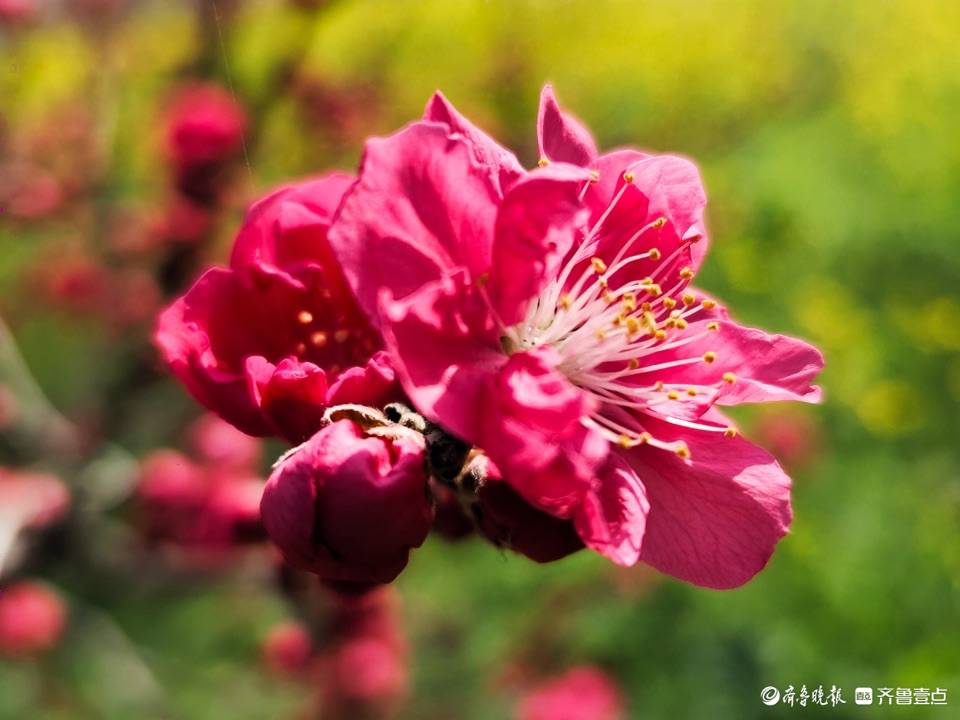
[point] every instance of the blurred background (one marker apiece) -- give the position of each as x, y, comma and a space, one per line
828, 137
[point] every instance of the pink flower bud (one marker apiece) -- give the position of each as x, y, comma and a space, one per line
287, 648
205, 128
32, 617
219, 443
349, 505
583, 693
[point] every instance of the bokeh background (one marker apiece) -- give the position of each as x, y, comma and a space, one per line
828, 137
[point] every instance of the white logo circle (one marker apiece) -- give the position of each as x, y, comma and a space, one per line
770, 695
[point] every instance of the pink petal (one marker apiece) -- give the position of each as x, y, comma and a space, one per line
502, 164
673, 190
561, 137
374, 384
289, 226
767, 367
445, 350
612, 517
291, 394
532, 430
183, 336
536, 226
421, 207
714, 519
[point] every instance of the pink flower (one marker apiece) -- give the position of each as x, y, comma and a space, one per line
287, 648
17, 11
205, 129
32, 618
218, 443
32, 499
209, 509
583, 693
364, 671
271, 341
548, 317
350, 505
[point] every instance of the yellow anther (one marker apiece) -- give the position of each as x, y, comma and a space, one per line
543, 162
713, 325
645, 437
708, 304
658, 385
683, 451
680, 324
709, 356
729, 378
341, 335
653, 289
686, 273
600, 335
594, 176
669, 303
629, 301
674, 314
660, 334
633, 364
628, 177
318, 339
598, 265
688, 299
673, 395
602, 282
692, 392
304, 317
645, 306
618, 320
730, 432
624, 441
659, 222
654, 254
609, 297
633, 325
564, 301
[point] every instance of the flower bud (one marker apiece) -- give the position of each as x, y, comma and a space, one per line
32, 617
350, 504
584, 693
287, 648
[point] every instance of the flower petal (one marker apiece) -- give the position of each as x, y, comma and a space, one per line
504, 167
183, 336
561, 137
612, 517
291, 394
532, 429
421, 207
536, 226
767, 367
445, 351
289, 226
715, 518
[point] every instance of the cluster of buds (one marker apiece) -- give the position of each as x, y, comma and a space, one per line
352, 653
205, 504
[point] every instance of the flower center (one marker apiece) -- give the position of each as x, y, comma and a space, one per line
620, 338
